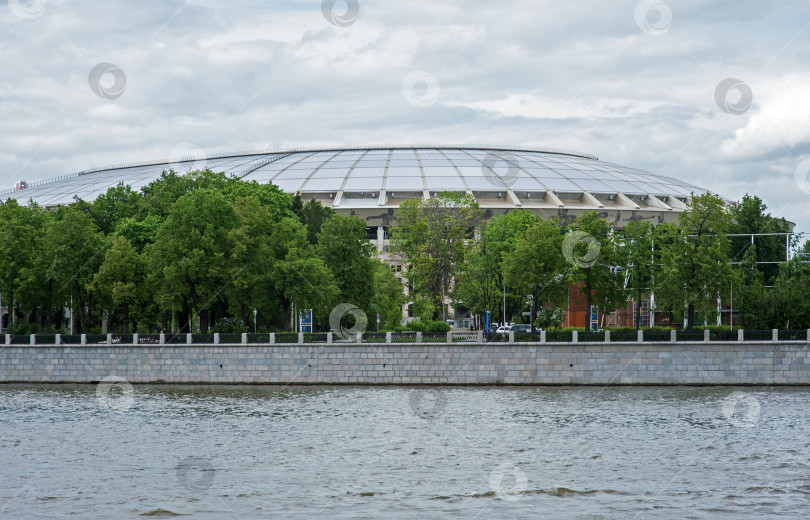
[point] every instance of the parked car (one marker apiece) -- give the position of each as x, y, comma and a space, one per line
524, 328
503, 329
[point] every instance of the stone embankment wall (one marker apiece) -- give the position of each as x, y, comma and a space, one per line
709, 363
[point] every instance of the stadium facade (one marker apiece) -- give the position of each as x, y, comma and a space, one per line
371, 182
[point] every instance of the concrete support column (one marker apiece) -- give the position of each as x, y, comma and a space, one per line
359, 337
449, 337
244, 338
607, 336
134, 339
419, 337
481, 336
542, 336
272, 338
33, 339
380, 238
511, 336
162, 338
706, 334
188, 338
775, 335
84, 339
109, 339
740, 335
640, 335
575, 336
328, 338
388, 337
8, 339
673, 335
216, 338
300, 338
58, 339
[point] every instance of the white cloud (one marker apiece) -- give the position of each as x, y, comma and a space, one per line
779, 121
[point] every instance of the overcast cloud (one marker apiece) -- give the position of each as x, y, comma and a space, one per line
631, 83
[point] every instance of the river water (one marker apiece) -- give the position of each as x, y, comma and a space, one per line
219, 452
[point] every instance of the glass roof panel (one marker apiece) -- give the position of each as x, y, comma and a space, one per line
403, 183
405, 171
363, 183
559, 184
368, 172
624, 187
332, 184
439, 171
593, 186
444, 183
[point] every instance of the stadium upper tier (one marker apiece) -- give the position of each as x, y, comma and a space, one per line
372, 182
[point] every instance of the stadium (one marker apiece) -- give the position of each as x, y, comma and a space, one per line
371, 182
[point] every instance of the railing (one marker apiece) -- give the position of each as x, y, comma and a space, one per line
286, 338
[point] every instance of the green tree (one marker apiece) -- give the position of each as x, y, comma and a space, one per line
388, 296
20, 227
192, 252
536, 267
343, 247
119, 280
72, 250
109, 208
480, 283
637, 257
750, 216
431, 236
296, 272
695, 267
590, 249
313, 215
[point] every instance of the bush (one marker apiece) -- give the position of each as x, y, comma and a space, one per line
229, 325
22, 328
399, 328
632, 329
418, 326
438, 326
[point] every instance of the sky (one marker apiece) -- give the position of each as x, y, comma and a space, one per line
713, 93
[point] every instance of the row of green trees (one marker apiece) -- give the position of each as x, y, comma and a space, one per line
203, 250
531, 262
193, 248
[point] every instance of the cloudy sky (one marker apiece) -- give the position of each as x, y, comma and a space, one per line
715, 93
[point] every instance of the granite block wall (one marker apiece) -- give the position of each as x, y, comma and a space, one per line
765, 363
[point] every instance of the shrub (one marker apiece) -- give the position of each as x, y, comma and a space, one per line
229, 325
399, 328
22, 328
418, 326
438, 326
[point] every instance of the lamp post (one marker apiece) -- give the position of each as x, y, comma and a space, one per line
254, 320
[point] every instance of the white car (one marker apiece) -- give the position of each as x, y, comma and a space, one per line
504, 329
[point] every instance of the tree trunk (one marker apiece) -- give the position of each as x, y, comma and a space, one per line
203, 321
690, 316
165, 321
286, 304
126, 317
183, 324
638, 310
534, 312
588, 306
83, 315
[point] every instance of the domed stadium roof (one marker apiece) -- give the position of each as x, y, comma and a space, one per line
372, 182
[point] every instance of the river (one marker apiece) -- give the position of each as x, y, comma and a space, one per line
219, 452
